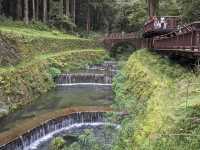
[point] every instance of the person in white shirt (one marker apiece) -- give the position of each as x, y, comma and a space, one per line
163, 23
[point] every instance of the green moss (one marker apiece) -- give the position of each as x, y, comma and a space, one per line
154, 90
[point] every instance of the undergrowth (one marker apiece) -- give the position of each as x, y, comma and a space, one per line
31, 41
159, 96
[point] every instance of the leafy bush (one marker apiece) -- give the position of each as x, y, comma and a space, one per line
58, 143
63, 23
54, 72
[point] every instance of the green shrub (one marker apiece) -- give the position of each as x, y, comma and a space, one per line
58, 143
54, 72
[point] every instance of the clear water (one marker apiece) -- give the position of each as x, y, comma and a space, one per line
58, 98
103, 134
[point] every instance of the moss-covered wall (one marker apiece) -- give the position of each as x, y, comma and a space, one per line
154, 91
21, 84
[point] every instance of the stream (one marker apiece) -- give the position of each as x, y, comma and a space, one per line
91, 87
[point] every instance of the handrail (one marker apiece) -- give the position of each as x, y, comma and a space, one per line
121, 35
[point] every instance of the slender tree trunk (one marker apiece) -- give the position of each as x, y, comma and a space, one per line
74, 11
44, 11
19, 9
26, 12
33, 4
67, 8
88, 17
37, 9
61, 8
0, 7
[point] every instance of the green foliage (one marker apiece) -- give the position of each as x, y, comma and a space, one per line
25, 82
154, 92
59, 20
189, 10
54, 72
169, 8
58, 143
29, 42
36, 25
87, 141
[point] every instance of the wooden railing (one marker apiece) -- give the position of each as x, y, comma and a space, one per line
122, 35
187, 39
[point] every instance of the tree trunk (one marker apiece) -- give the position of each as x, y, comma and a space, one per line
88, 17
74, 11
44, 11
37, 9
19, 9
33, 4
26, 12
67, 8
61, 8
153, 7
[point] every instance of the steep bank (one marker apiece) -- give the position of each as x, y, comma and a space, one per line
19, 42
40, 55
162, 99
21, 84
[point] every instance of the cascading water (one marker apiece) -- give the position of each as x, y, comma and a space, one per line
32, 138
87, 78
94, 75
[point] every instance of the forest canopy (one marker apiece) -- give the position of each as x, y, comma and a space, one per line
95, 15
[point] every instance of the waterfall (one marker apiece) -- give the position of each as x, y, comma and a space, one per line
33, 137
106, 66
100, 74
83, 78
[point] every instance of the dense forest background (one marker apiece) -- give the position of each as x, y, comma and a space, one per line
94, 15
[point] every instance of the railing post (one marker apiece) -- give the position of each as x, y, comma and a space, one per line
197, 40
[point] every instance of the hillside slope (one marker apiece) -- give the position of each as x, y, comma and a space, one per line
30, 41
32, 57
162, 99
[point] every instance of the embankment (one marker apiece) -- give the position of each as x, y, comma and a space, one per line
162, 99
41, 55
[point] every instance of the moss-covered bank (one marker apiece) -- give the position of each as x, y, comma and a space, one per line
21, 84
162, 99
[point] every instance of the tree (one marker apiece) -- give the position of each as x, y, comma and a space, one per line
33, 9
153, 7
26, 11
37, 9
61, 8
67, 8
88, 16
169, 8
19, 9
44, 11
74, 11
1, 7
189, 10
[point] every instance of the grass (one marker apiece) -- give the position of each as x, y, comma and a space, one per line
35, 40
26, 81
21, 30
155, 91
33, 33
39, 49
41, 57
